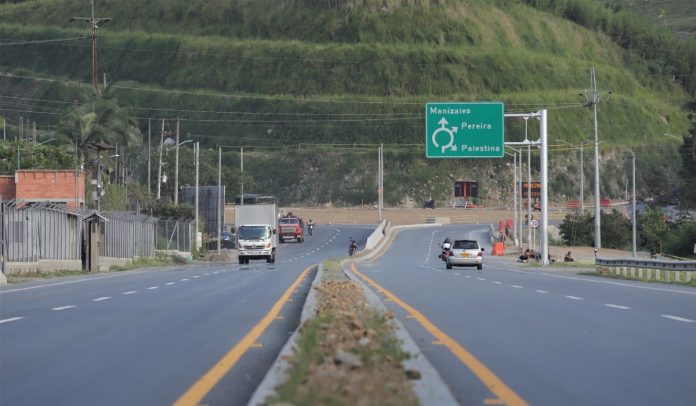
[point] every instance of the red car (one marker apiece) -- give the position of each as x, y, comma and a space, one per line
291, 228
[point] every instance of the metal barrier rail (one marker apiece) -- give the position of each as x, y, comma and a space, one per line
666, 265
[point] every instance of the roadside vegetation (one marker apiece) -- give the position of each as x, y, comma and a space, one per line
347, 354
655, 232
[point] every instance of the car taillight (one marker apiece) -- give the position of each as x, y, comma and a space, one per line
450, 253
480, 254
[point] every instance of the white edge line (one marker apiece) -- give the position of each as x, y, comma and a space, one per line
11, 319
678, 318
591, 280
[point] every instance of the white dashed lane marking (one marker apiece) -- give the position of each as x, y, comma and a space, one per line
481, 279
183, 280
498, 283
516, 286
616, 306
57, 309
152, 287
683, 320
574, 297
11, 319
170, 283
130, 292
99, 299
542, 291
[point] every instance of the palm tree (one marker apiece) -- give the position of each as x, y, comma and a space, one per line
99, 120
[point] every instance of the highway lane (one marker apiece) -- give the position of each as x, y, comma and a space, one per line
144, 337
551, 337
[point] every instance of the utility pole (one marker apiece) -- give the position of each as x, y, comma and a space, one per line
149, 159
176, 166
196, 148
582, 178
159, 166
241, 163
598, 211
633, 209
220, 205
93, 21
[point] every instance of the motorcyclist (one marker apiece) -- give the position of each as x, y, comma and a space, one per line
353, 246
310, 226
446, 245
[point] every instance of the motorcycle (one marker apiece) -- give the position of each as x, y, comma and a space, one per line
443, 255
310, 228
353, 246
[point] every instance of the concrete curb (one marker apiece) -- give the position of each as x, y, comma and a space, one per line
278, 373
430, 389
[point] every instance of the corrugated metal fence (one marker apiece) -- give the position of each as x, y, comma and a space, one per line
45, 231
40, 231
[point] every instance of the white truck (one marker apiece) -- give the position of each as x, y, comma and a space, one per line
257, 237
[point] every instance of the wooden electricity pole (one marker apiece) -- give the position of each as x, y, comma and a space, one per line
93, 21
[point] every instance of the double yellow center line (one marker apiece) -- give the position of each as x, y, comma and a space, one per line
503, 392
207, 382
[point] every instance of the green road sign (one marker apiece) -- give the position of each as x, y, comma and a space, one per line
464, 130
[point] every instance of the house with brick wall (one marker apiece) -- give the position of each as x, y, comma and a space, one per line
45, 185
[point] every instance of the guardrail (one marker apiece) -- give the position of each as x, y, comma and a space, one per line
659, 270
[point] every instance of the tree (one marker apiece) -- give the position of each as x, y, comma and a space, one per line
577, 229
616, 230
101, 120
688, 169
652, 230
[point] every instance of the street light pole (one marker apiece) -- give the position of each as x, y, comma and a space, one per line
598, 211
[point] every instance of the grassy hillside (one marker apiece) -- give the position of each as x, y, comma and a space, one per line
271, 73
678, 16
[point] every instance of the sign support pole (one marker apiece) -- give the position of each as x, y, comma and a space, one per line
542, 143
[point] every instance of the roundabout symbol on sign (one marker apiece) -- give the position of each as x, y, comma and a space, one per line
450, 145
535, 223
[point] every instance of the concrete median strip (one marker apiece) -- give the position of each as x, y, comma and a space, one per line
416, 371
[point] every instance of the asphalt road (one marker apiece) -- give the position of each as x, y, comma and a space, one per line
144, 337
551, 337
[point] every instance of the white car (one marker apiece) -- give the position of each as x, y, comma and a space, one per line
465, 253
